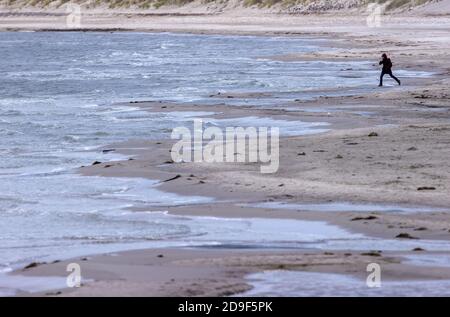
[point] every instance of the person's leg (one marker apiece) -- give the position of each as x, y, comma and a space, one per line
395, 78
381, 79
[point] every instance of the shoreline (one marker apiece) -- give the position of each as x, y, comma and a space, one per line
177, 272
409, 126
341, 219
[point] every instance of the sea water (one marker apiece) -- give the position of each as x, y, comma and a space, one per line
312, 284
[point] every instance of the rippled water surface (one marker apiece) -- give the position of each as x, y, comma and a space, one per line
307, 284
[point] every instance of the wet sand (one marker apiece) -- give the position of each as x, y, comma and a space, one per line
209, 272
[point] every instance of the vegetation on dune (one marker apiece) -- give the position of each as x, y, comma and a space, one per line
395, 4
318, 5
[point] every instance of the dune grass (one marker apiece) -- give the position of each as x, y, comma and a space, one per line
396, 4
146, 4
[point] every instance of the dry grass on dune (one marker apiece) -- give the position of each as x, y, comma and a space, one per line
303, 5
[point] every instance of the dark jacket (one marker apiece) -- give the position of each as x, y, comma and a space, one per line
387, 64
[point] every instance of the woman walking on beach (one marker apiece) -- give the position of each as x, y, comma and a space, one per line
387, 69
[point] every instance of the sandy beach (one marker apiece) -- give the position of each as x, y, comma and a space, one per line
385, 149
